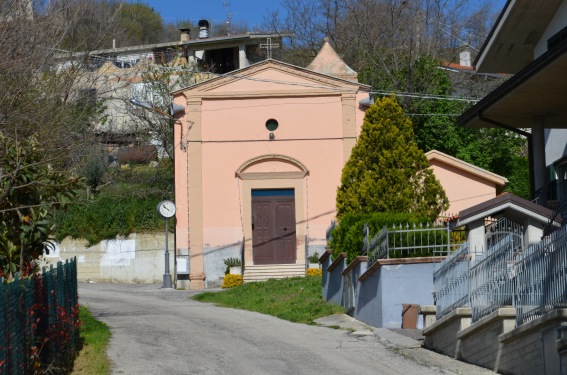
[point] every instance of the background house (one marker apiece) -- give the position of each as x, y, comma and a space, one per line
528, 40
465, 184
148, 73
501, 296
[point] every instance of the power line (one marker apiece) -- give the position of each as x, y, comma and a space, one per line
374, 91
426, 96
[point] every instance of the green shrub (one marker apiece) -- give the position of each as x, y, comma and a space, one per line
313, 258
93, 167
231, 281
231, 262
125, 205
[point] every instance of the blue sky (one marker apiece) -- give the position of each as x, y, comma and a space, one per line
250, 11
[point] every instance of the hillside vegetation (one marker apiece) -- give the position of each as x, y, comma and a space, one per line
124, 203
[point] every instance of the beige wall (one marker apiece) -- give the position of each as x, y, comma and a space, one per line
138, 258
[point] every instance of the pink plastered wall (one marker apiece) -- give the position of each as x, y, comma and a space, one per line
181, 202
310, 131
463, 188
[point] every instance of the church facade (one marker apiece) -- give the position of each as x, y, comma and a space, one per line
258, 158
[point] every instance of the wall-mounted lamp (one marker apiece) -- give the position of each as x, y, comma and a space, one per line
272, 136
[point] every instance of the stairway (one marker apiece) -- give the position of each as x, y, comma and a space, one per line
272, 271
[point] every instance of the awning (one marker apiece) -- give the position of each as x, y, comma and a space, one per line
538, 90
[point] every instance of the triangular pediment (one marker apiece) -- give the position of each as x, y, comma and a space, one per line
271, 76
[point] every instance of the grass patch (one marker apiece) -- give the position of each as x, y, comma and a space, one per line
92, 359
295, 299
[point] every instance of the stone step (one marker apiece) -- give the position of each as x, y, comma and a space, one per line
273, 271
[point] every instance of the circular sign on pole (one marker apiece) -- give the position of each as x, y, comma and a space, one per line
166, 209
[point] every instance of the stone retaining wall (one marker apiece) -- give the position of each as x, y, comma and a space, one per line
537, 347
138, 258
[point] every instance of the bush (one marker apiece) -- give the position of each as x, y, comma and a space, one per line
231, 262
347, 236
231, 281
313, 258
93, 167
314, 272
125, 205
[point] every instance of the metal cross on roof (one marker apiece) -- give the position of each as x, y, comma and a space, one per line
268, 47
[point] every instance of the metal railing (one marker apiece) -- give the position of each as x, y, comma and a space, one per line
407, 241
483, 280
492, 283
542, 277
534, 280
329, 232
451, 281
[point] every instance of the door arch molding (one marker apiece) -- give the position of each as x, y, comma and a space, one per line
255, 176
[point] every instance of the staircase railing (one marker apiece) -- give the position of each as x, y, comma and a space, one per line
550, 228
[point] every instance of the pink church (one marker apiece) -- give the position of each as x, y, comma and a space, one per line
259, 155
258, 160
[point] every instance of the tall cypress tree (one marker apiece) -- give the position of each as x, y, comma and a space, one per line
386, 171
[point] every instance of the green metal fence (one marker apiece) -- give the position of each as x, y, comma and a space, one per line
39, 319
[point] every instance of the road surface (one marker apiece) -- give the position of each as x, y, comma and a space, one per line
162, 331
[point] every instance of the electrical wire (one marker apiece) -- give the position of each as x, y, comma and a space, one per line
300, 84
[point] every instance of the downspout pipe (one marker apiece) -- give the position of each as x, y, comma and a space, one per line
530, 146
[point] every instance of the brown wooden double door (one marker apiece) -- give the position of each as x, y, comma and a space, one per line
273, 226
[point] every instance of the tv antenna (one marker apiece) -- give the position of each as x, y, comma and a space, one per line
228, 16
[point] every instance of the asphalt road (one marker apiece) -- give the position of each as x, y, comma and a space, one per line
162, 331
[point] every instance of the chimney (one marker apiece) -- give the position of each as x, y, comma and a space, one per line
465, 58
203, 29
184, 34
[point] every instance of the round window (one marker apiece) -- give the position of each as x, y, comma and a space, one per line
271, 124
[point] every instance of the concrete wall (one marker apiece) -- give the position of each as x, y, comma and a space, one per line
442, 335
138, 258
214, 262
536, 347
555, 145
369, 301
532, 347
356, 268
335, 281
391, 284
479, 343
325, 261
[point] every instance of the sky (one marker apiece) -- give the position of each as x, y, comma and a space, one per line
249, 11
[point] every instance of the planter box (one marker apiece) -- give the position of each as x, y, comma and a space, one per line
236, 270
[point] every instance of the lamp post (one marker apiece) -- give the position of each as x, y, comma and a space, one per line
175, 108
166, 209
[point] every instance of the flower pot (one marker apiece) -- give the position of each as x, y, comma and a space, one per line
237, 270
